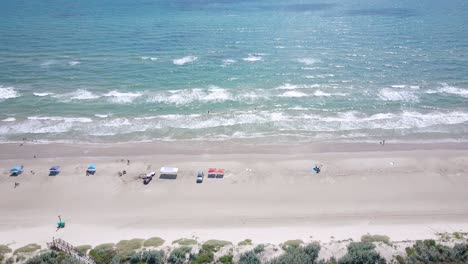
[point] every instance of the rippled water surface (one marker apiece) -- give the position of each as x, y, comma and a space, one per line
105, 71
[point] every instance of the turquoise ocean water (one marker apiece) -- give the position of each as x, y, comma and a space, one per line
270, 71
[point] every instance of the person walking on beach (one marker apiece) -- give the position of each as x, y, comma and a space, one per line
16, 184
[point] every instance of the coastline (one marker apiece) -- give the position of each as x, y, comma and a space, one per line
268, 193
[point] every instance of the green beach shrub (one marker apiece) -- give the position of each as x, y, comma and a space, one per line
178, 255
27, 249
154, 242
259, 249
246, 242
70, 260
215, 245
48, 257
83, 249
292, 243
103, 255
429, 251
4, 249
249, 258
205, 255
226, 259
105, 246
185, 242
306, 254
52, 257
376, 238
125, 248
361, 253
152, 256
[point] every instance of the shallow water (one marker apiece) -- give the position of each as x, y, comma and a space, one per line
220, 69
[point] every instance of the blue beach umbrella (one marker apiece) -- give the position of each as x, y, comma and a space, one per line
16, 170
54, 170
91, 169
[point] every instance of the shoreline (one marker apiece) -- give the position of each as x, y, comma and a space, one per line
24, 150
268, 194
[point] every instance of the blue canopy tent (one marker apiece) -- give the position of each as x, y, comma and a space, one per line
54, 170
91, 169
16, 170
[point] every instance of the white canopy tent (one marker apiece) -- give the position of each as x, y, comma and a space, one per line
169, 171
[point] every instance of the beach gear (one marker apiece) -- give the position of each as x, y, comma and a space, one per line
148, 178
54, 170
60, 223
91, 169
315, 169
16, 170
168, 172
215, 173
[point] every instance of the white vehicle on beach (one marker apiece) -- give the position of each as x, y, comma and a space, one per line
200, 176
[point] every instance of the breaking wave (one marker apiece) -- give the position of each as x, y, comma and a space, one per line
308, 61
388, 94
453, 90
8, 93
42, 94
119, 97
184, 60
253, 58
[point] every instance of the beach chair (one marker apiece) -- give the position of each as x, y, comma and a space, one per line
16, 170
91, 169
54, 170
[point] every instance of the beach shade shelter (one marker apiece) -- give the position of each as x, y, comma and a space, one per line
215, 173
168, 172
16, 170
212, 172
54, 170
91, 169
219, 173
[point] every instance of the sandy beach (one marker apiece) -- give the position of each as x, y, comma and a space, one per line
268, 194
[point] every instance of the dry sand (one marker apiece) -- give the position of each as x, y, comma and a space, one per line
268, 193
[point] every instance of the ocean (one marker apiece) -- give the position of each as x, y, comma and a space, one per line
253, 70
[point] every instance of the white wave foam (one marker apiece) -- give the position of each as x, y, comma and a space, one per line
42, 94
308, 61
8, 93
320, 93
73, 63
453, 90
293, 94
180, 97
63, 119
184, 60
9, 119
288, 86
387, 94
228, 62
149, 58
319, 76
253, 58
48, 63
119, 97
415, 87
81, 94
101, 116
